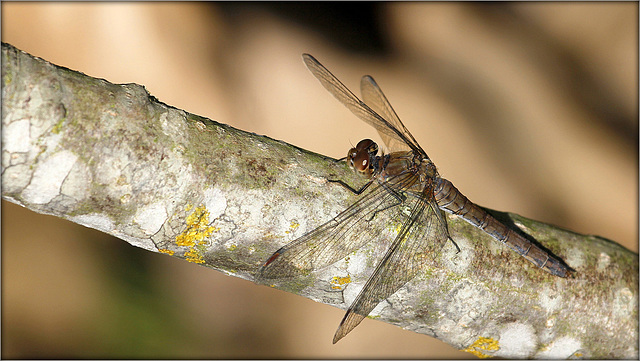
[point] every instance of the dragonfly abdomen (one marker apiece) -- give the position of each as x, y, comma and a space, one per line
450, 199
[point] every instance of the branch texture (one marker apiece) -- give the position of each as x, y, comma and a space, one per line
113, 158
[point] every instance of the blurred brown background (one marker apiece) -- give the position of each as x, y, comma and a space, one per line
529, 108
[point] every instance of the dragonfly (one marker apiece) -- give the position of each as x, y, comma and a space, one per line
405, 186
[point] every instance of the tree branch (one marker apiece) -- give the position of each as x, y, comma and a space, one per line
114, 158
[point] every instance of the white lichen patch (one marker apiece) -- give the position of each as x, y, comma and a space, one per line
517, 340
144, 243
516, 282
48, 177
465, 305
75, 184
561, 348
549, 300
311, 177
447, 325
603, 261
151, 217
624, 302
351, 291
116, 171
95, 220
377, 311
458, 261
215, 201
291, 223
575, 258
357, 262
171, 127
15, 137
247, 213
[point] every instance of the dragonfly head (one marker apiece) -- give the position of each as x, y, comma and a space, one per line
361, 157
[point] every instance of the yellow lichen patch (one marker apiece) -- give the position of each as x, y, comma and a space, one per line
394, 226
167, 251
194, 256
293, 226
338, 282
482, 344
196, 234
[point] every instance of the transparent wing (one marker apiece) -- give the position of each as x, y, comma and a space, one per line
348, 231
373, 96
422, 236
357, 107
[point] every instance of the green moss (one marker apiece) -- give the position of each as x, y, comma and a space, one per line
427, 303
454, 278
58, 126
7, 79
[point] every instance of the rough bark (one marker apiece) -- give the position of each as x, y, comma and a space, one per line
113, 158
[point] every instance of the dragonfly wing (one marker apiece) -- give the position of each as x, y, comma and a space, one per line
373, 96
351, 101
421, 237
348, 231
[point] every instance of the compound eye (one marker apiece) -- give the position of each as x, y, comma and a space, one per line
361, 161
353, 152
367, 145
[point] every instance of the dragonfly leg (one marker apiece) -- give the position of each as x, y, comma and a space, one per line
353, 190
398, 196
455, 244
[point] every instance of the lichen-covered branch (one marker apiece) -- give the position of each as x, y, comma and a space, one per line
112, 157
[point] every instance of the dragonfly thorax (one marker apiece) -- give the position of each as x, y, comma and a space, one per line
362, 157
